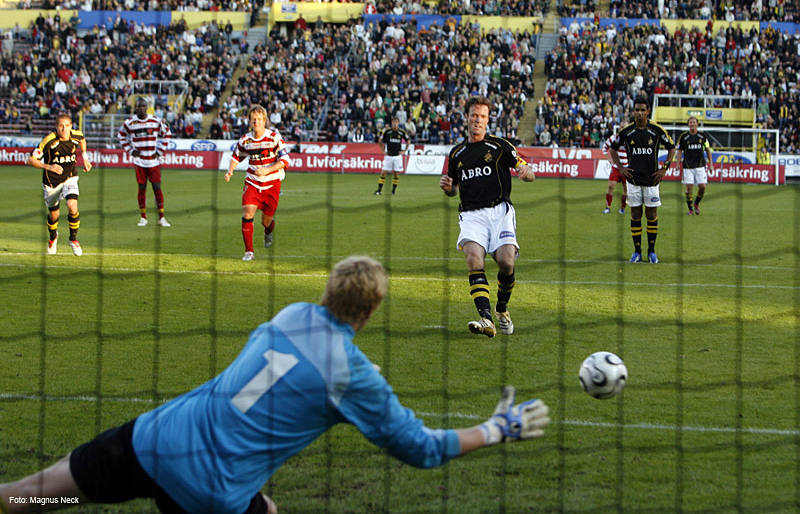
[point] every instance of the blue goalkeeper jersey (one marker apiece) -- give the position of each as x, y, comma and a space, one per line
213, 448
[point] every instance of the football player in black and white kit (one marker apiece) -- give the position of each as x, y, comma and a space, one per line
392, 139
480, 172
642, 140
694, 153
56, 156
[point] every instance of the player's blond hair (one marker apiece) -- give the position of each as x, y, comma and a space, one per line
257, 109
356, 287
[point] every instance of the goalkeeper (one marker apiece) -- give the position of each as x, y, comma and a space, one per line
214, 448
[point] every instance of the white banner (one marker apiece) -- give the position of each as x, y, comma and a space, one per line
791, 164
425, 164
602, 170
202, 145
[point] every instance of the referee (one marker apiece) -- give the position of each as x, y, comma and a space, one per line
694, 152
479, 171
643, 140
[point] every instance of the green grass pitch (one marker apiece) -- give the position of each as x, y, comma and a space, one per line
709, 421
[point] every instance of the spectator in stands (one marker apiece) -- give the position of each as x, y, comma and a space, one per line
342, 131
229, 34
357, 135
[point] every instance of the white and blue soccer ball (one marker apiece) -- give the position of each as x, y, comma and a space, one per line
603, 375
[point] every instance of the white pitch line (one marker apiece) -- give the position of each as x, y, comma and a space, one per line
456, 258
634, 426
396, 277
456, 415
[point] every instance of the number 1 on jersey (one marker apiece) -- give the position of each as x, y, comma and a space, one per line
278, 364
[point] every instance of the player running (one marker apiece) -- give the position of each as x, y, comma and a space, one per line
268, 160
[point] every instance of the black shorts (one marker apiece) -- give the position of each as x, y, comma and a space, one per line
106, 470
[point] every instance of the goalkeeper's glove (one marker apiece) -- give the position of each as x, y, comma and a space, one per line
511, 422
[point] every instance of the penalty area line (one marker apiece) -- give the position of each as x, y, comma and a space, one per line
111, 269
636, 426
455, 415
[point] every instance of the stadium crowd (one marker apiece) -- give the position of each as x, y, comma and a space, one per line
383, 70
91, 73
727, 10
343, 82
594, 74
144, 5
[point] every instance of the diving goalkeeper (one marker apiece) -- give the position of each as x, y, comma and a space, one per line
214, 448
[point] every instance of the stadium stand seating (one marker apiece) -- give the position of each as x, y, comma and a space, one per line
58, 69
375, 79
342, 82
593, 74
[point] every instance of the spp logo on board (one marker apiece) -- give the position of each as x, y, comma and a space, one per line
204, 146
172, 145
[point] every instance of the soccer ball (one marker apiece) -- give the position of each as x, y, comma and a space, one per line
603, 375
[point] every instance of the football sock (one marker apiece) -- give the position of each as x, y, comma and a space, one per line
52, 226
689, 200
608, 201
381, 181
74, 225
247, 234
624, 201
270, 228
479, 290
159, 202
652, 232
141, 196
395, 181
699, 197
505, 283
636, 233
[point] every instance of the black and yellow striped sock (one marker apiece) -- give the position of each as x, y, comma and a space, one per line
636, 233
652, 233
479, 290
52, 226
505, 284
689, 200
74, 225
700, 195
381, 181
395, 181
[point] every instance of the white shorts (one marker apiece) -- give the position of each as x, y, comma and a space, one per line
490, 227
393, 163
650, 196
695, 176
54, 195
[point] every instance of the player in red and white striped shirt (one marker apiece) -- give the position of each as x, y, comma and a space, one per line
615, 177
268, 158
144, 137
